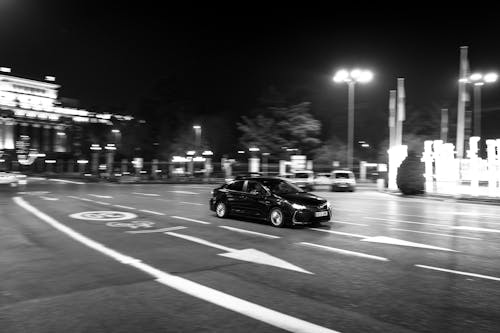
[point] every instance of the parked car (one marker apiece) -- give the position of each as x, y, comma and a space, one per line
323, 181
9, 179
269, 198
343, 180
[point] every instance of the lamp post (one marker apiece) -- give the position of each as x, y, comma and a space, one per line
197, 131
351, 78
479, 80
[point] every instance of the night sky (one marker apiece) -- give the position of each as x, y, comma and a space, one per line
225, 57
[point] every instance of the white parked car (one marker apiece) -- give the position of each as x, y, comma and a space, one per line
343, 180
303, 179
9, 179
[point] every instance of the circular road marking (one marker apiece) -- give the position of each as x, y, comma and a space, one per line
104, 216
132, 225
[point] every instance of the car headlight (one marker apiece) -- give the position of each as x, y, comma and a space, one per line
328, 205
297, 206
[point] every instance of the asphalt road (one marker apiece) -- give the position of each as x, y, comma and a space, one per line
154, 258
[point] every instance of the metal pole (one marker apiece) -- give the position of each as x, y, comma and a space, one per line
350, 129
444, 125
401, 112
477, 110
461, 101
392, 118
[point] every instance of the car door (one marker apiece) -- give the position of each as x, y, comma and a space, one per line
256, 203
235, 197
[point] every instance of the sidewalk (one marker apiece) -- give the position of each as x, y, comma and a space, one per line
487, 200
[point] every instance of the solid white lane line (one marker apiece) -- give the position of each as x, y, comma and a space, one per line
346, 252
476, 229
201, 241
101, 196
402, 242
66, 181
248, 232
188, 219
155, 230
125, 207
183, 285
183, 192
73, 197
191, 203
151, 212
146, 194
433, 233
102, 203
460, 273
49, 198
343, 222
37, 178
339, 233
409, 222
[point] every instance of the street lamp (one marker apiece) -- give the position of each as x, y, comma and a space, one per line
479, 80
351, 78
197, 130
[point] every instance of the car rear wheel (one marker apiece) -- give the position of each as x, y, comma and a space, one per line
277, 218
221, 209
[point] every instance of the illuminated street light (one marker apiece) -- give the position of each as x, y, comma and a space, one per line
351, 78
479, 80
253, 149
197, 131
114, 130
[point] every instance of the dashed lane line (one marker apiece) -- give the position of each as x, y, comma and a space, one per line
232, 303
124, 207
191, 203
339, 233
437, 234
49, 198
188, 219
66, 181
183, 192
146, 194
249, 232
151, 212
342, 251
149, 231
352, 223
101, 196
459, 272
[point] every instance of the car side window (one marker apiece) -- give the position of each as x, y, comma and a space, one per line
236, 186
255, 188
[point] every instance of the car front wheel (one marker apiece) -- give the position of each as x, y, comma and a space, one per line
277, 218
221, 209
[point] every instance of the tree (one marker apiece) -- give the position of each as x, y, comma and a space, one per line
289, 126
410, 178
332, 150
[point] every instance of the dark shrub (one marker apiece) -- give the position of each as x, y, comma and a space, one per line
410, 178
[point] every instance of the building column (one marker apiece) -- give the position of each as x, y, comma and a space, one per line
9, 142
46, 145
35, 142
59, 139
2, 133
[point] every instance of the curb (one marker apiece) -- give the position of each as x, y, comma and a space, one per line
437, 197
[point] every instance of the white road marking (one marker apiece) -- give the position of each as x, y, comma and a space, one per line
191, 203
248, 232
49, 198
409, 222
476, 229
146, 194
339, 233
346, 252
101, 196
250, 255
343, 222
252, 310
155, 230
102, 203
188, 219
460, 273
73, 197
125, 207
37, 178
183, 192
395, 241
66, 181
151, 212
433, 233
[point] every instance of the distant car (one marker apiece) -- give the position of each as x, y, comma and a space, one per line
270, 198
303, 179
323, 181
9, 179
343, 180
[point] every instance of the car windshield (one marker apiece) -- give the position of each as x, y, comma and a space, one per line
342, 175
301, 175
280, 186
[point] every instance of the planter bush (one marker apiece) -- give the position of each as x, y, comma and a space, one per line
410, 178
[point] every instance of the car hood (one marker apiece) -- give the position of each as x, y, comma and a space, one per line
303, 198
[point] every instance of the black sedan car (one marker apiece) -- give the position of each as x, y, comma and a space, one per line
271, 198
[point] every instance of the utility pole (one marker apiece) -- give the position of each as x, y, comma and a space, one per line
444, 125
462, 98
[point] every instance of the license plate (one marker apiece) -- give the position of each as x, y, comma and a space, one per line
320, 214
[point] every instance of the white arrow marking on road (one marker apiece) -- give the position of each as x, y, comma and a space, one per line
395, 241
183, 192
101, 196
49, 198
248, 232
147, 194
251, 255
346, 252
476, 229
155, 230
